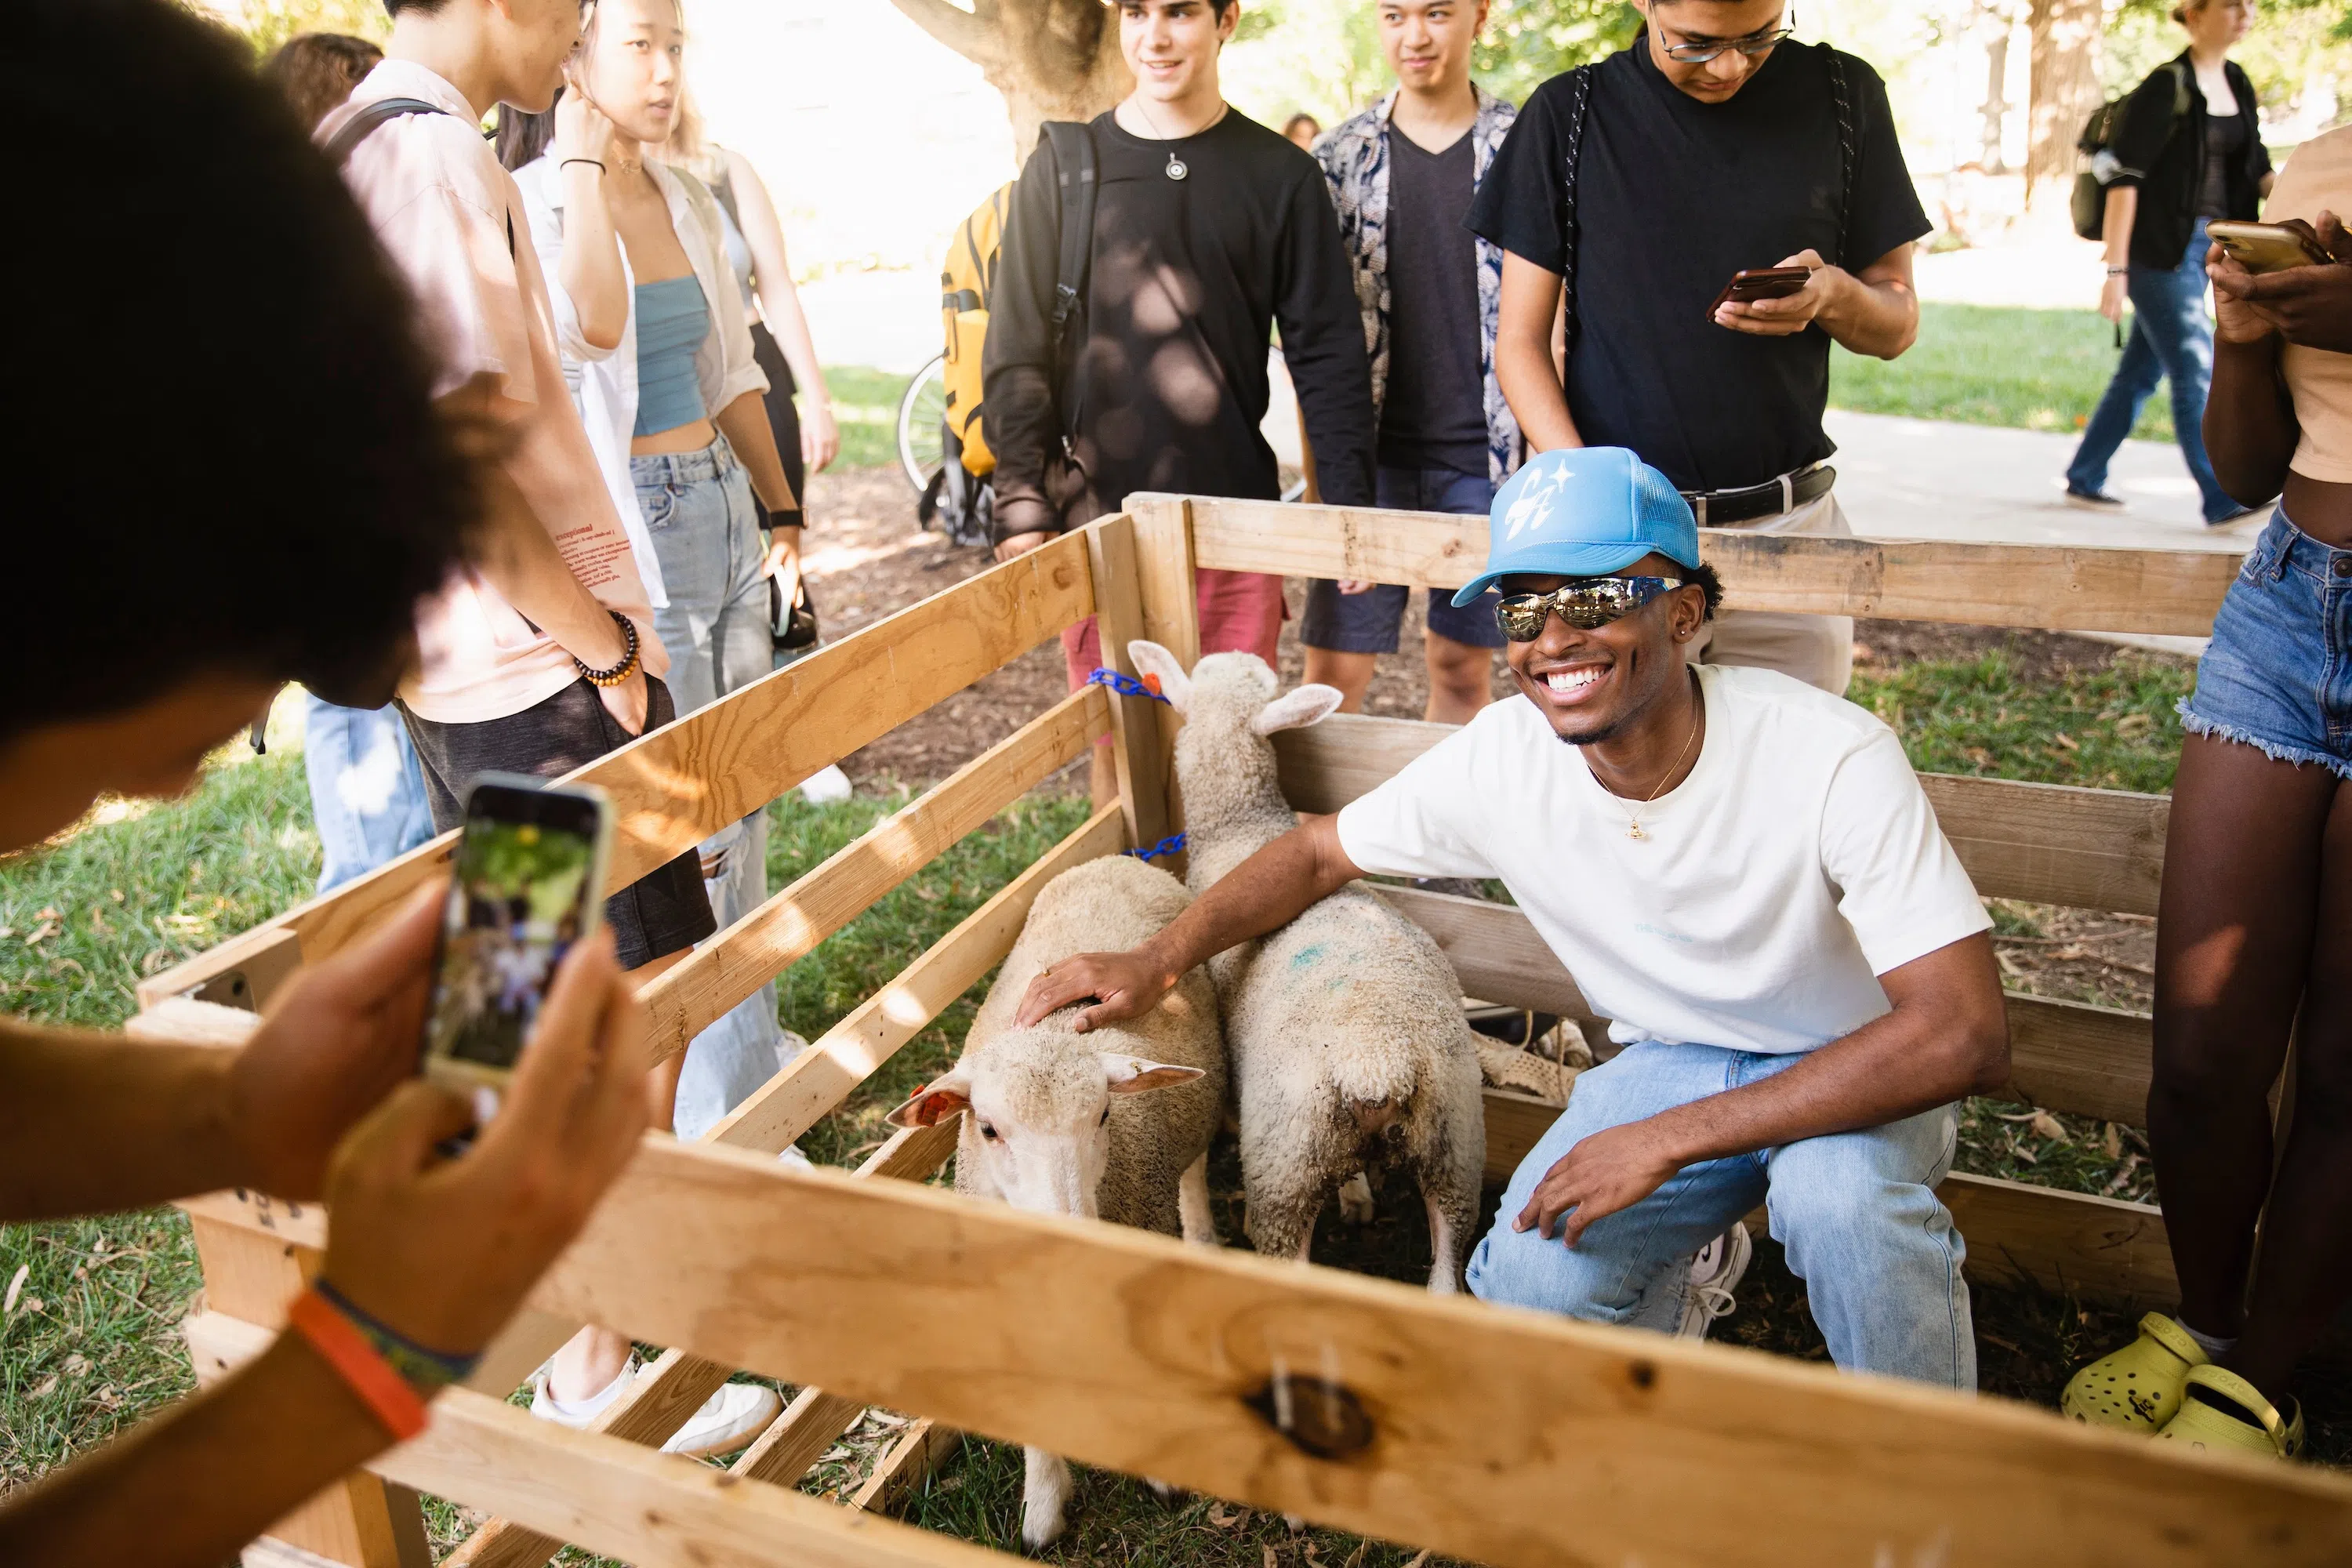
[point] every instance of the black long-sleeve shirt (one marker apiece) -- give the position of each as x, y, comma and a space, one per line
2163, 156
1189, 278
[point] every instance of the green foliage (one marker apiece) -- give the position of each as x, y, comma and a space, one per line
866, 404
270, 23
1983, 364
1527, 42
2109, 728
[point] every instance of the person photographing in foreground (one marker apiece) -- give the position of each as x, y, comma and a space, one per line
1742, 871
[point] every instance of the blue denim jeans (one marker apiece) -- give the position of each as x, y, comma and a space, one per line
2171, 339
367, 791
2278, 673
1856, 1212
697, 507
1367, 622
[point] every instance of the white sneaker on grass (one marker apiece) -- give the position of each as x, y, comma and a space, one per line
728, 1420
827, 786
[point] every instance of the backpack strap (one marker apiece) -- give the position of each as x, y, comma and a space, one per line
362, 125
1073, 155
346, 140
1580, 106
1849, 158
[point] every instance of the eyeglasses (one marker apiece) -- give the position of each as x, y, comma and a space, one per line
1751, 45
1587, 603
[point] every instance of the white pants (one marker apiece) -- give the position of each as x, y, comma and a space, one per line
1816, 649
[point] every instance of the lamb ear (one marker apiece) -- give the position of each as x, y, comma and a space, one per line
1133, 1075
1296, 710
935, 1101
1156, 663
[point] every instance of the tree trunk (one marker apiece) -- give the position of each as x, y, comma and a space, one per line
1996, 103
2066, 90
1052, 59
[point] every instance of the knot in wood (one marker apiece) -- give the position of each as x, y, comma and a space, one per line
1322, 1418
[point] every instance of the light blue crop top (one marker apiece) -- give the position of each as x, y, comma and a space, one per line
673, 319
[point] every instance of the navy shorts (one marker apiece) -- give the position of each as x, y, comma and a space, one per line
1367, 622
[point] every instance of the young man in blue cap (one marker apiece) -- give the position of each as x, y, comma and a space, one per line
1742, 872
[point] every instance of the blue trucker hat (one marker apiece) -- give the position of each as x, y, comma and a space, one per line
1582, 513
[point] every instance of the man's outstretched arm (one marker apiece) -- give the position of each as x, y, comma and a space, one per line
1263, 893
1947, 1035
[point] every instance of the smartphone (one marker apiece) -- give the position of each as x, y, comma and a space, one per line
1757, 283
529, 883
2266, 247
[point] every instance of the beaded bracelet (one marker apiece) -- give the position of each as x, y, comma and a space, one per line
620, 672
426, 1371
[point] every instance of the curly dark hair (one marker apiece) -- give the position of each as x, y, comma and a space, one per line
1703, 574
317, 71
230, 462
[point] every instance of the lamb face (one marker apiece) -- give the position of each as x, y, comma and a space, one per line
1040, 1103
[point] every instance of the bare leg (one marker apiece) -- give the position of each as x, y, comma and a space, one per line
2304, 1275
2233, 944
1352, 673
1461, 679
1045, 1496
1199, 1221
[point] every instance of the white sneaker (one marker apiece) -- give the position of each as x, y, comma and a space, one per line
1714, 1274
728, 1420
578, 1413
790, 1155
826, 787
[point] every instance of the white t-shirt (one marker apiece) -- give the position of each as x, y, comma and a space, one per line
1796, 863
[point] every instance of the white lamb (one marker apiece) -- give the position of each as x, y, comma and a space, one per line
1350, 1048
1054, 1125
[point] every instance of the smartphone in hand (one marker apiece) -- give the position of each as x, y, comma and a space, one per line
2268, 246
529, 883
1755, 283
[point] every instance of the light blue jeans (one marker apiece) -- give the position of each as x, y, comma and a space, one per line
2171, 339
367, 790
1857, 1212
697, 507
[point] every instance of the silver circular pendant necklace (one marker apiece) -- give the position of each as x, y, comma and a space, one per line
1177, 168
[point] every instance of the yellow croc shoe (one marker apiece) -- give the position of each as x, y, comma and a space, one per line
2260, 1431
2137, 1388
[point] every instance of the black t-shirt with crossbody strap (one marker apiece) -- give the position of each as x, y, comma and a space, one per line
1673, 197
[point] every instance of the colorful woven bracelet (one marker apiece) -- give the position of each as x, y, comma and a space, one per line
337, 1340
427, 1370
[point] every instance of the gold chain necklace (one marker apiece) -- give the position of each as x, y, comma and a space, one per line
1633, 818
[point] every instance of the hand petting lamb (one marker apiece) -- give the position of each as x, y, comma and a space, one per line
1060, 1122
1349, 1049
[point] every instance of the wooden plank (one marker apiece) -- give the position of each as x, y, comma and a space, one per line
2072, 1057
616, 1499
2057, 588
1172, 615
798, 1437
1134, 1352
815, 1081
1141, 751
2050, 844
1515, 1123
677, 786
2054, 844
723, 970
924, 1447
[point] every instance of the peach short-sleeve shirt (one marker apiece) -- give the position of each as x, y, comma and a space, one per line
453, 222
2318, 176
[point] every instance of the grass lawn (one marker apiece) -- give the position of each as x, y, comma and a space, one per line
90, 1343
866, 404
1983, 364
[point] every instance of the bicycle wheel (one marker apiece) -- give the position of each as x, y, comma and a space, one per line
922, 411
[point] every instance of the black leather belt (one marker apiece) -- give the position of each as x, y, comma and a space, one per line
1718, 508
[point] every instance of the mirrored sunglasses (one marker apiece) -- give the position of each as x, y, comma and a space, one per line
1585, 603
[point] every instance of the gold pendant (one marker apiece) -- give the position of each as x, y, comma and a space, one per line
1633, 830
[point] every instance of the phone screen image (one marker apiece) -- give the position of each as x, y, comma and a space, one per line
524, 892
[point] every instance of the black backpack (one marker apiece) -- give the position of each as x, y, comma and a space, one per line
2088, 202
1581, 87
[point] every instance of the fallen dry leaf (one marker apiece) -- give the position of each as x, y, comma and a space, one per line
2113, 1143
15, 1284
1224, 1518
2045, 1125
44, 1388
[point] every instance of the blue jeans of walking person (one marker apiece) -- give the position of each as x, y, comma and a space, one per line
1856, 1213
367, 791
697, 507
2171, 339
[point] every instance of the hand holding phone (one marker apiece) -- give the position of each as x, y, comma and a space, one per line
528, 887
1751, 284
2269, 247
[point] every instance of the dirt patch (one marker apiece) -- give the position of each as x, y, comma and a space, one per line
868, 557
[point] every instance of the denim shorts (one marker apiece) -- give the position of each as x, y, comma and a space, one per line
2278, 674
1367, 622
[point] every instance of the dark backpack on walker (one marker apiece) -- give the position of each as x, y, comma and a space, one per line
2087, 203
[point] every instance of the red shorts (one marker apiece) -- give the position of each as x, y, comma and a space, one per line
1241, 612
